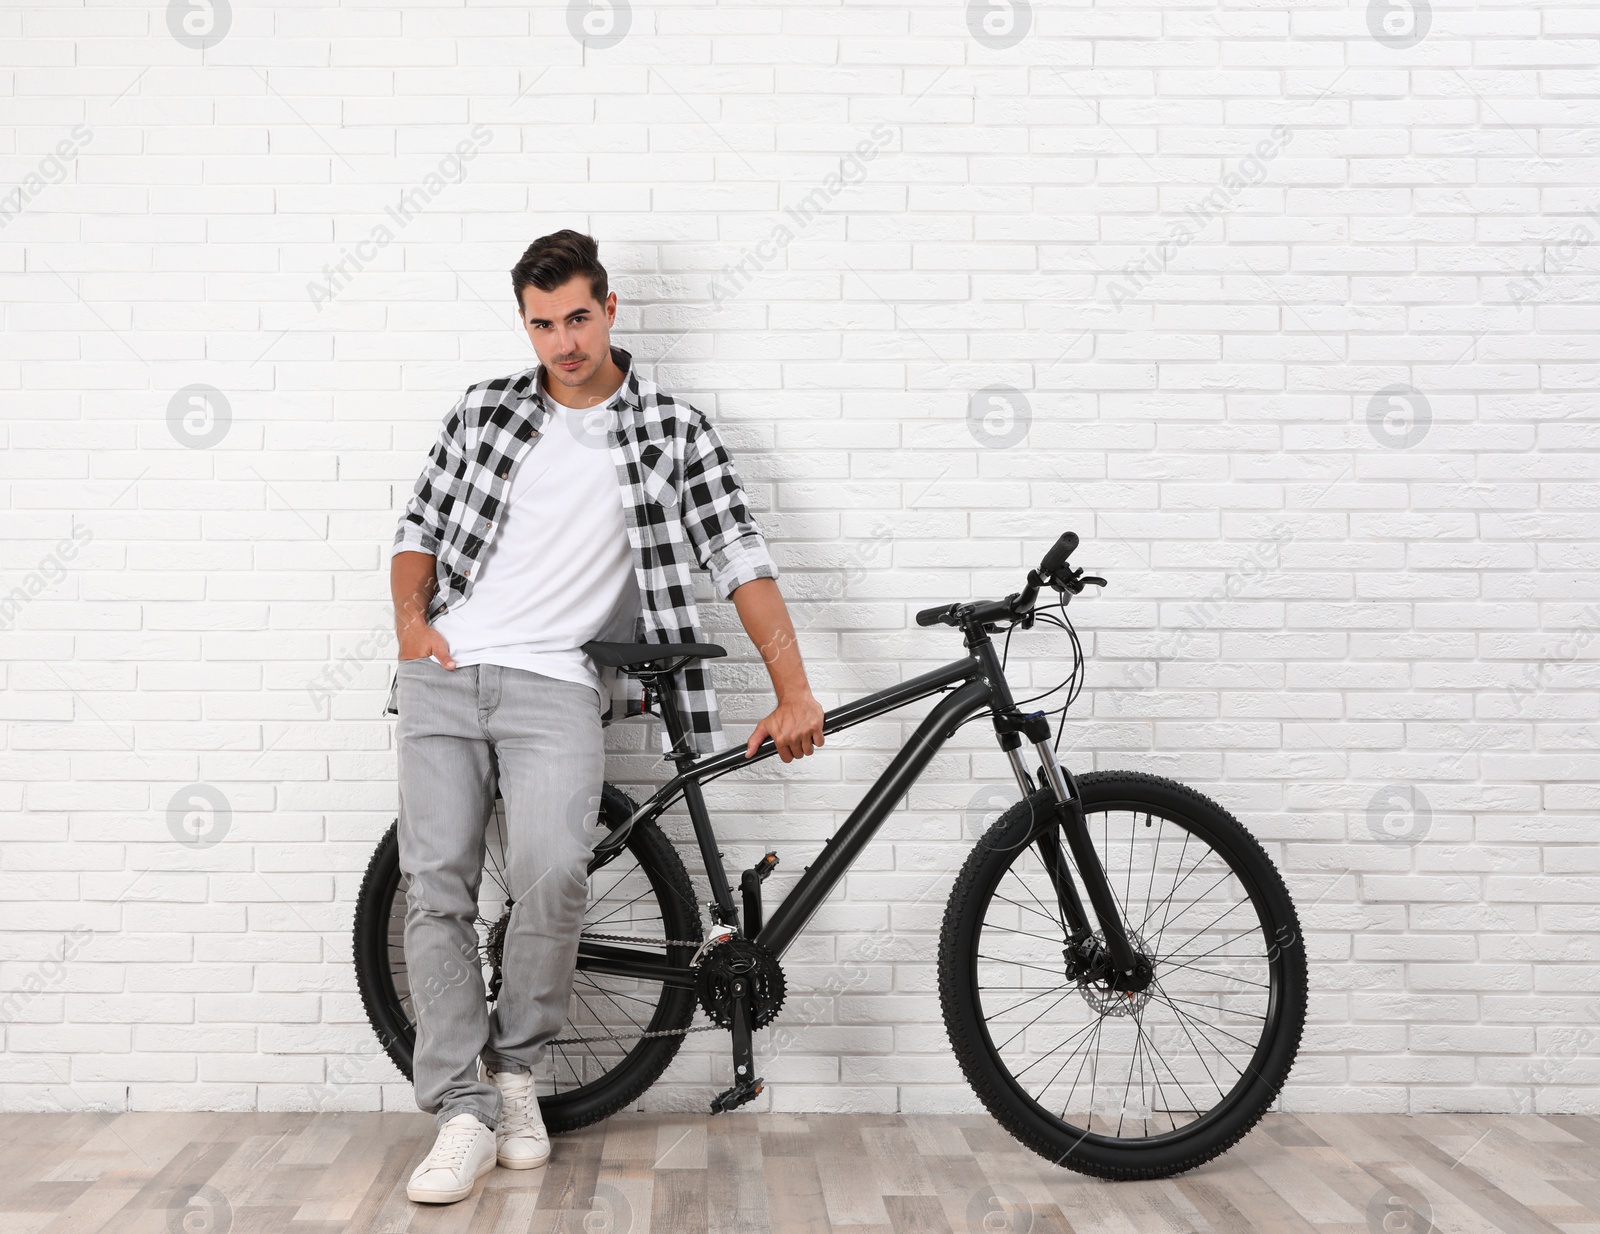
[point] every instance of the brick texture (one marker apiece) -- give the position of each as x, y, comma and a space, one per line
1289, 312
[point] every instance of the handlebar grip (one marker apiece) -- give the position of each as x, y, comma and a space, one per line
932, 616
1056, 559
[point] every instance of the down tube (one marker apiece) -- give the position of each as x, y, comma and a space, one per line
837, 856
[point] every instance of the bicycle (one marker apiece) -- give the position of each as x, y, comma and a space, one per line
1116, 1039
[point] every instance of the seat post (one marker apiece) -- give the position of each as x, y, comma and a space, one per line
661, 685
723, 911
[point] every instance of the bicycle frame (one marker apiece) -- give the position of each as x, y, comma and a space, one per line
980, 682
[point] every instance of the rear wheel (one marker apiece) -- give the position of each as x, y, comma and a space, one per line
1108, 1080
599, 1063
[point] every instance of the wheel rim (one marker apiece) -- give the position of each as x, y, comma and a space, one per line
624, 897
1119, 1068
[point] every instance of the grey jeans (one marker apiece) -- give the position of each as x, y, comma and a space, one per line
459, 731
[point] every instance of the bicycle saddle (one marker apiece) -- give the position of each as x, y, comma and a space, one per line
624, 655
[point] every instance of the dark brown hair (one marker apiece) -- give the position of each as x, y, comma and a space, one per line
551, 260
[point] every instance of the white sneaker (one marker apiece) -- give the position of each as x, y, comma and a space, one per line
521, 1141
463, 1153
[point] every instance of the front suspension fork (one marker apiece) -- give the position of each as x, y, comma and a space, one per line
1073, 823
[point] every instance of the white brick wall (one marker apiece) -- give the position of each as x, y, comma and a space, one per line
1193, 247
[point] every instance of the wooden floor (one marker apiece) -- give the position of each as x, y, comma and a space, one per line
742, 1173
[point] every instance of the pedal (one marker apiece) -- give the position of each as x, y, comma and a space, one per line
750, 885
736, 1096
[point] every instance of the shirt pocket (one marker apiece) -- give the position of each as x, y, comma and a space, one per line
658, 474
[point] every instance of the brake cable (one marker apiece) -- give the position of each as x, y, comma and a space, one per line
1075, 678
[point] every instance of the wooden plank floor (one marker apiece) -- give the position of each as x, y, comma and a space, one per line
747, 1173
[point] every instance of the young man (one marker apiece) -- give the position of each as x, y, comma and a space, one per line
559, 505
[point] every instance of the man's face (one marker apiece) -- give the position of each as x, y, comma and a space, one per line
568, 327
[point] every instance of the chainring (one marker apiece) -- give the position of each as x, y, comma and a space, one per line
733, 958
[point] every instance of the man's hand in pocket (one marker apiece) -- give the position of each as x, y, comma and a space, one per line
422, 641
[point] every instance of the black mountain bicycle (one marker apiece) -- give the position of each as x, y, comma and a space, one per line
1121, 969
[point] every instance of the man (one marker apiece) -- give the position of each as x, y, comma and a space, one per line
559, 505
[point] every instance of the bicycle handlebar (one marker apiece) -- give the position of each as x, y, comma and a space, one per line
1053, 570
1056, 558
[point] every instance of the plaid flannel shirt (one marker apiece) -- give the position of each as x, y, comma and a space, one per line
682, 501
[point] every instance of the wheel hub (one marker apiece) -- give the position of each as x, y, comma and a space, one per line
1107, 991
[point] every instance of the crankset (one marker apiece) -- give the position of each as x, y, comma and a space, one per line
721, 971
738, 982
740, 985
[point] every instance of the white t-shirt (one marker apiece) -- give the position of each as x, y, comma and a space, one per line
559, 569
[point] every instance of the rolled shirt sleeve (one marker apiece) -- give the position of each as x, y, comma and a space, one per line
423, 522
716, 514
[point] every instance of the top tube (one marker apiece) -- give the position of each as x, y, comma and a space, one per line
846, 715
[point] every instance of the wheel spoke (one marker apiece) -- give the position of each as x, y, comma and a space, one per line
1205, 1027
1093, 1029
1034, 1021
1211, 972
1051, 1051
1052, 919
1038, 995
1178, 955
1026, 934
1221, 878
1176, 1079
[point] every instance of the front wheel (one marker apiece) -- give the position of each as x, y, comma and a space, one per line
1104, 1079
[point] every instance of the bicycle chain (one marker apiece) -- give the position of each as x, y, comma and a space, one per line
660, 1032
651, 942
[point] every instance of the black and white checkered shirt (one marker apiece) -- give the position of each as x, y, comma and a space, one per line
681, 498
